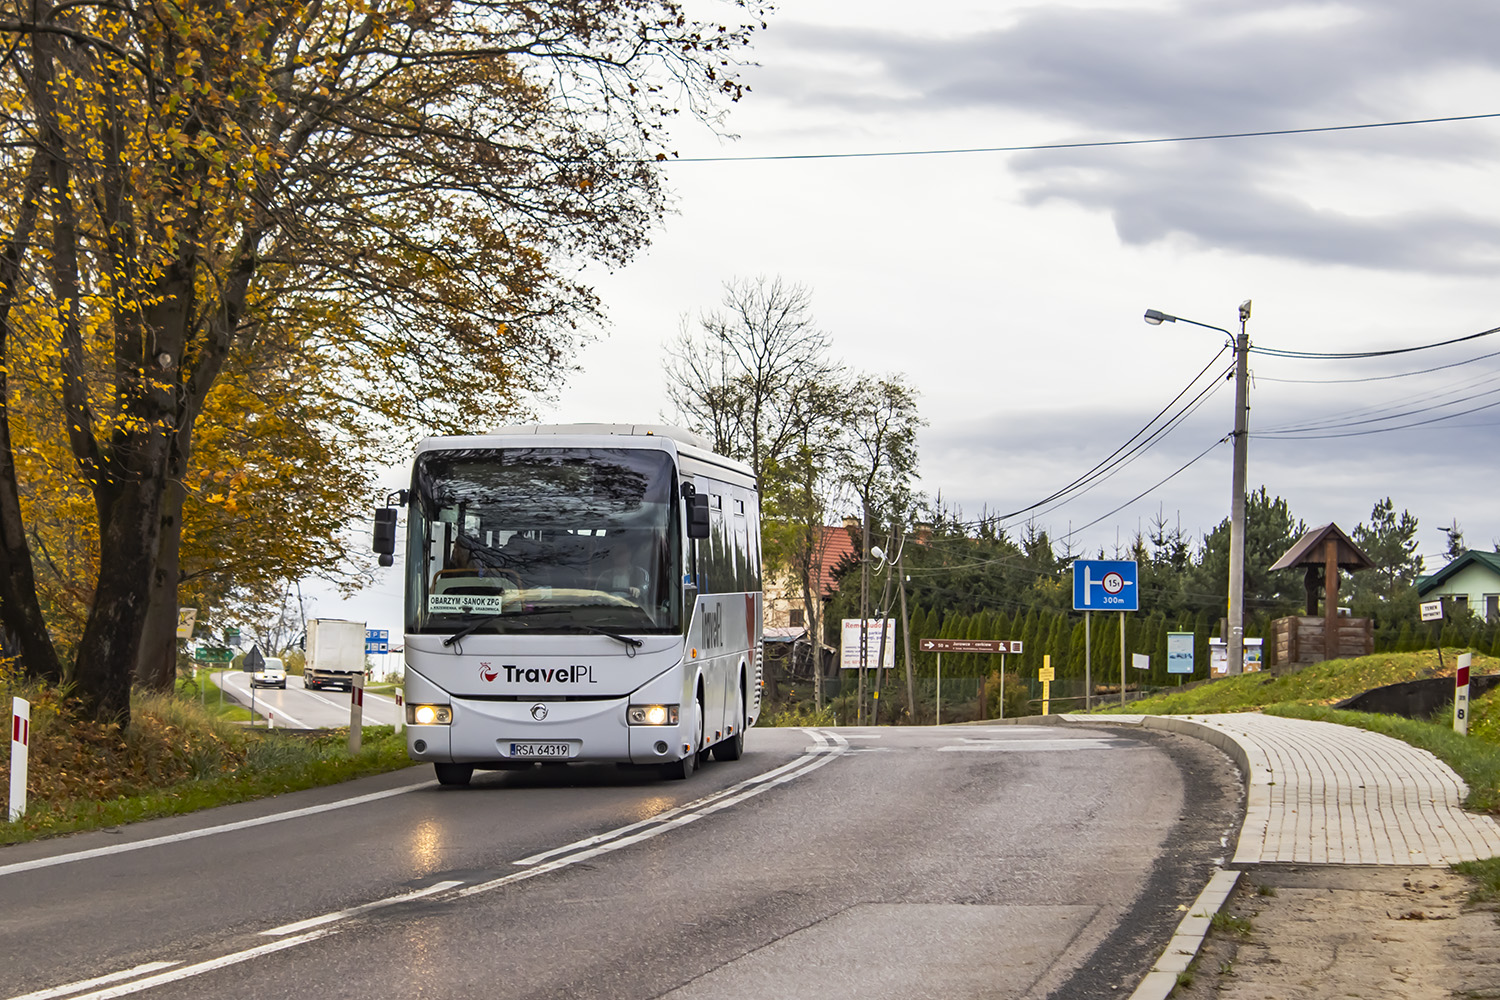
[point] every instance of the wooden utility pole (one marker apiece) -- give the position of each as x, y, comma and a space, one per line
911, 687
864, 609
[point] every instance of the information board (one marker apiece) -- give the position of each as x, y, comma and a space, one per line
1179, 652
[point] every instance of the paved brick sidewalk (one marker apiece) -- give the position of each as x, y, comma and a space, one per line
1322, 793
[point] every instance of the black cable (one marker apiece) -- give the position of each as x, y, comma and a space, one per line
1286, 436
1375, 378
1138, 496
1106, 460
1279, 353
1066, 145
1380, 412
1140, 449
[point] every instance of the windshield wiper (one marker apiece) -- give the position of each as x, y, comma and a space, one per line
630, 641
480, 623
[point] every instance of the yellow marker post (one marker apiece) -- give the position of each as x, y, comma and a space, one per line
1045, 675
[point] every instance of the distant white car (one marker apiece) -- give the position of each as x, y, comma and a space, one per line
272, 675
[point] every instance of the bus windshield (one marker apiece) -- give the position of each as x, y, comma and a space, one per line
544, 540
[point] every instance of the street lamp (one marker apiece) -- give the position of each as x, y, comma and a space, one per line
1241, 346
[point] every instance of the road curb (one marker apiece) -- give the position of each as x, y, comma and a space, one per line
1188, 939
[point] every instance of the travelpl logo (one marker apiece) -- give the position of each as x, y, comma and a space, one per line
574, 673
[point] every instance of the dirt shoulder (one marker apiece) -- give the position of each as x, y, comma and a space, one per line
1305, 932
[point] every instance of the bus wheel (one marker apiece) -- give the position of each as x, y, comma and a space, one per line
732, 748
454, 774
681, 769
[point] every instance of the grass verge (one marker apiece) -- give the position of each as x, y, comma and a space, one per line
1486, 876
176, 756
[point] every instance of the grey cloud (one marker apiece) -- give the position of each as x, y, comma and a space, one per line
1155, 70
1222, 204
1133, 74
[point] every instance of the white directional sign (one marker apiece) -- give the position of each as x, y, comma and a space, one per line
1105, 585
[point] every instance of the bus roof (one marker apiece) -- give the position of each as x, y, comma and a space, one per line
662, 436
677, 434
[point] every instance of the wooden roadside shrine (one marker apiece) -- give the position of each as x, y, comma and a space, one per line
1323, 551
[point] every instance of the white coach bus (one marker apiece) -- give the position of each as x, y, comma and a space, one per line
578, 593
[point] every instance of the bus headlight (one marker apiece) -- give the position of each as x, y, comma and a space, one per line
429, 715
652, 715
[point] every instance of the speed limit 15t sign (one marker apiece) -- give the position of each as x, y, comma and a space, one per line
1105, 585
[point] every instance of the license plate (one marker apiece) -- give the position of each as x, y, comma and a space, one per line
542, 751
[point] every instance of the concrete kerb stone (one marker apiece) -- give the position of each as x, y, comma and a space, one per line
1185, 944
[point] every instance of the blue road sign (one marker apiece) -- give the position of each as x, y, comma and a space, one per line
377, 640
1105, 585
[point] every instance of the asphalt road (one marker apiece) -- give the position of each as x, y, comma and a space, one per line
951, 863
298, 708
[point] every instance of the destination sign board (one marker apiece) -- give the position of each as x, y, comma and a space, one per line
970, 645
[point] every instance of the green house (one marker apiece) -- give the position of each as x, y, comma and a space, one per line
1470, 583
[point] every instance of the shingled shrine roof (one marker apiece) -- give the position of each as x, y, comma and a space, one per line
1309, 550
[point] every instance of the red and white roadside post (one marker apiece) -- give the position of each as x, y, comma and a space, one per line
356, 712
400, 713
1461, 695
20, 739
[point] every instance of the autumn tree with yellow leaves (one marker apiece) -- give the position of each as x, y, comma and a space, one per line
381, 204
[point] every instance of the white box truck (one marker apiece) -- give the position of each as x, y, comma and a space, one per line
335, 653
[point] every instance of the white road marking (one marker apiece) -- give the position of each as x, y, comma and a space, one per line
344, 705
175, 838
266, 706
187, 972
87, 984
657, 828
1030, 746
664, 816
830, 746
353, 911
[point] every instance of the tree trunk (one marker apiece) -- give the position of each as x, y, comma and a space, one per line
111, 642
20, 613
156, 667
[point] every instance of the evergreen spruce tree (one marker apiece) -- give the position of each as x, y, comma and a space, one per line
1030, 644
1076, 646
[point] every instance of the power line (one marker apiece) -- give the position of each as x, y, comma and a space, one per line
1289, 436
1375, 378
1100, 144
1105, 463
1385, 411
1146, 492
1313, 355
1140, 449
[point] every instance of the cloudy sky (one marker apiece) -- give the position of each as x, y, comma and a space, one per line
1009, 287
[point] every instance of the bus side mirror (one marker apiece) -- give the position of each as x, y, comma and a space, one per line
698, 515
385, 534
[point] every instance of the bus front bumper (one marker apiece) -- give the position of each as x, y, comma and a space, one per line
508, 732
